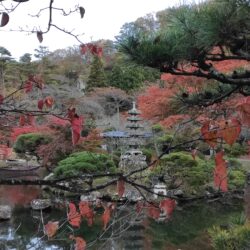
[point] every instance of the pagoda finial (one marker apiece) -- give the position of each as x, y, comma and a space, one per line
134, 105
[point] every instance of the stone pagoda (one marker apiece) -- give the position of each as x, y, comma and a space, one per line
133, 157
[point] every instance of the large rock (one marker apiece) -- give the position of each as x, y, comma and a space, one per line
5, 212
91, 197
40, 204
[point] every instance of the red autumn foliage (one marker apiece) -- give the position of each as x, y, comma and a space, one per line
172, 120
153, 211
230, 130
80, 242
168, 205
106, 217
92, 48
154, 103
5, 152
243, 108
74, 217
76, 127
209, 134
120, 187
27, 120
229, 65
51, 228
71, 113
220, 172
86, 212
16, 131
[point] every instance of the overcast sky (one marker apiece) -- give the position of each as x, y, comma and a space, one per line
103, 19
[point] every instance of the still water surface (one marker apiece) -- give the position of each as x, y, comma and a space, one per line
187, 230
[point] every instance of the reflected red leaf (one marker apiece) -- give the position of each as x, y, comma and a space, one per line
80, 242
51, 228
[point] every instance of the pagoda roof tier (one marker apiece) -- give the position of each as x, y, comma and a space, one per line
134, 118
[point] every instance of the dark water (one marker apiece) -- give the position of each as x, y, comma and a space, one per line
187, 230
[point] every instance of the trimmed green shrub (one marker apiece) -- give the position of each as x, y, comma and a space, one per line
30, 142
85, 162
235, 150
194, 174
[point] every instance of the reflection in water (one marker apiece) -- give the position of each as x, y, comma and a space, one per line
186, 230
18, 195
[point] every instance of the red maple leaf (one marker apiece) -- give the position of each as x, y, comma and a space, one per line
220, 172
51, 228
230, 130
86, 212
168, 205
106, 217
74, 217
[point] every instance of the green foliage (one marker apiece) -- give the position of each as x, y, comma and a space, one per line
129, 77
237, 179
30, 142
85, 162
167, 138
236, 150
188, 32
149, 153
97, 77
235, 237
157, 128
194, 174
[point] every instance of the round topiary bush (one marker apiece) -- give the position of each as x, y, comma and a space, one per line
85, 162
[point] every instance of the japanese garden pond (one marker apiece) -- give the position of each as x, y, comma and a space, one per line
186, 230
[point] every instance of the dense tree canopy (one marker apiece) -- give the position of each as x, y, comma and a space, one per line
191, 40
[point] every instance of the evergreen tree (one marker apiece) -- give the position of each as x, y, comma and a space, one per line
97, 77
191, 40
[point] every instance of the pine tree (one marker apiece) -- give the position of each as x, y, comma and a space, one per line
97, 77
